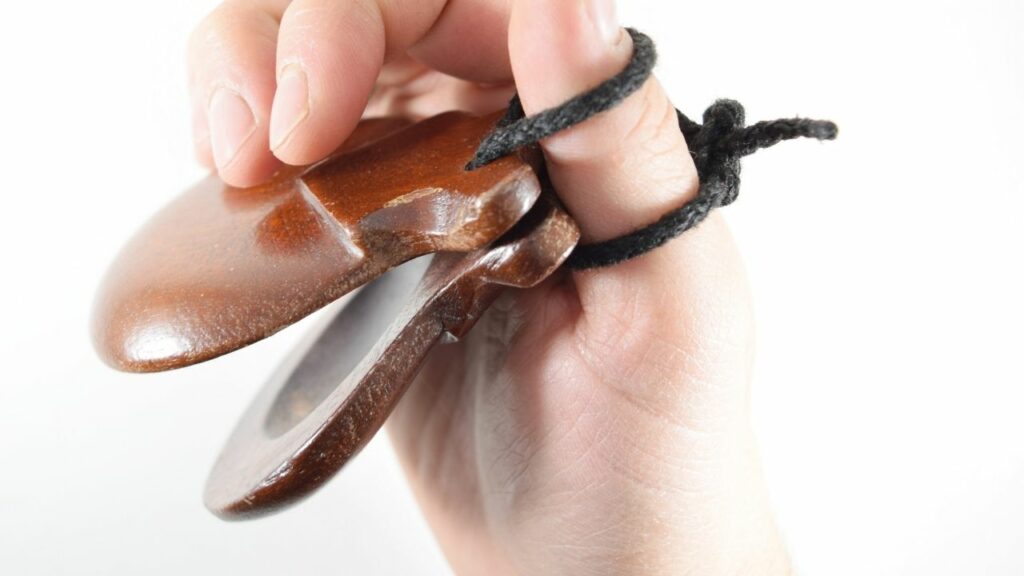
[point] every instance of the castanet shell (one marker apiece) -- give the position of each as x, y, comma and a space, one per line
222, 267
333, 393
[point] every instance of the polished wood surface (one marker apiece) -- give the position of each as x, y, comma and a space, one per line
335, 391
220, 267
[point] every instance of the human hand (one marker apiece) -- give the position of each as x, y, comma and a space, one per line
599, 422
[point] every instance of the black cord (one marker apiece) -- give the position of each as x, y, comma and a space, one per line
716, 147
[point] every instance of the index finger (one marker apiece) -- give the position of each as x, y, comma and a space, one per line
330, 53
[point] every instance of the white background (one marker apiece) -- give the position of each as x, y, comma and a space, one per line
886, 269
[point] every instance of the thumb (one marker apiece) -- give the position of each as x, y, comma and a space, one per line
622, 169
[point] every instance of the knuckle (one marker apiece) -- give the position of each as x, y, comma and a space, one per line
211, 39
654, 145
654, 129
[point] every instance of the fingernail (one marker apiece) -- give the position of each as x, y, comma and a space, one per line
291, 105
602, 15
231, 125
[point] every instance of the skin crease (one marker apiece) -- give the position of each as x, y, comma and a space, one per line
596, 424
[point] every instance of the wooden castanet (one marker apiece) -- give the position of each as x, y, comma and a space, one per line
221, 267
332, 395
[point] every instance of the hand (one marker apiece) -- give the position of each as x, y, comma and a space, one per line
597, 424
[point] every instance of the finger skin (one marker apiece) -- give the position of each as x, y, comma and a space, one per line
201, 135
231, 57
274, 80
617, 171
621, 169
336, 50
480, 24
330, 54
598, 423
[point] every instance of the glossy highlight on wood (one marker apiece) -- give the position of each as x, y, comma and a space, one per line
221, 267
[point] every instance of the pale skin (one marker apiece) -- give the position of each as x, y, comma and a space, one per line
599, 423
